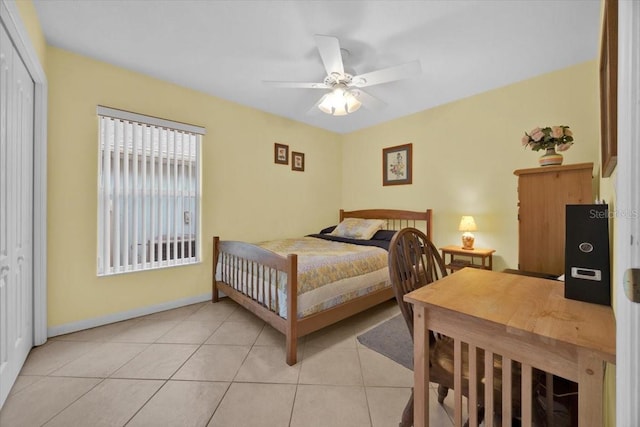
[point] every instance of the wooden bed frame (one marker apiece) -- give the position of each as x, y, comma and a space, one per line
268, 265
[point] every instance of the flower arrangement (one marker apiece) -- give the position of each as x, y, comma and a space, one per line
549, 137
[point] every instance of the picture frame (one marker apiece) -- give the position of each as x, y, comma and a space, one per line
609, 89
397, 166
281, 154
297, 161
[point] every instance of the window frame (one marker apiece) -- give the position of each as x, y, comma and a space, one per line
178, 147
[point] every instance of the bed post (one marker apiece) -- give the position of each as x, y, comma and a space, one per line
292, 309
216, 252
429, 217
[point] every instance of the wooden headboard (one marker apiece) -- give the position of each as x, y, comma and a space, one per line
396, 219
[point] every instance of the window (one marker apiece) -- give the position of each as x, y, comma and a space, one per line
148, 192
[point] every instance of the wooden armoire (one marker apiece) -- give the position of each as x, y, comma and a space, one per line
543, 193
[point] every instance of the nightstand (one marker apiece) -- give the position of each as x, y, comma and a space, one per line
460, 258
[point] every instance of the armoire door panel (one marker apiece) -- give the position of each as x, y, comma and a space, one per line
543, 193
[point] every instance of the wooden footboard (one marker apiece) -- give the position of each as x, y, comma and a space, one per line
250, 275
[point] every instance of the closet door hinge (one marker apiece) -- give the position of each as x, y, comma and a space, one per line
631, 283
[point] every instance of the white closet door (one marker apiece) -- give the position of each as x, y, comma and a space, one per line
16, 214
627, 219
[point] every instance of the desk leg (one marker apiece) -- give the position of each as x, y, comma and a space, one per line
420, 368
590, 384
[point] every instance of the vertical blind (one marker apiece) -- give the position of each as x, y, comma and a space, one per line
149, 192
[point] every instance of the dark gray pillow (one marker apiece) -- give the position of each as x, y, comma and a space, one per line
384, 235
328, 229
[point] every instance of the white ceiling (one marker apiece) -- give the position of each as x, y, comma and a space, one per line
227, 48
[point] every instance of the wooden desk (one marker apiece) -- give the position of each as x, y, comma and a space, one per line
525, 319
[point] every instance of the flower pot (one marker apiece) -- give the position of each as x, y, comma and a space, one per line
550, 158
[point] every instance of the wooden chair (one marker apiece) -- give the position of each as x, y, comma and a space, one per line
415, 262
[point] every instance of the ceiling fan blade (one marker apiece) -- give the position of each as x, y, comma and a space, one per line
329, 48
385, 75
296, 85
368, 101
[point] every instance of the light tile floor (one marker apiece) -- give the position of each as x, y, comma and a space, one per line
212, 365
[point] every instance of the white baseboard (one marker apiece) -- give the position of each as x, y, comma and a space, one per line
124, 315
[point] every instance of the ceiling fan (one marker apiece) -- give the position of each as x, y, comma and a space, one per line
346, 94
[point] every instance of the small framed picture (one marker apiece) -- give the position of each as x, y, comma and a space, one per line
281, 153
396, 165
297, 161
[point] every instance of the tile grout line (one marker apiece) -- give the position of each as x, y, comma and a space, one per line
364, 385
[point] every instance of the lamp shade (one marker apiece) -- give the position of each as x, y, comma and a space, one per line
467, 223
326, 103
352, 102
339, 102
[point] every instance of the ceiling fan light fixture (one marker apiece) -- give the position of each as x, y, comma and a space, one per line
339, 102
340, 110
353, 103
326, 103
345, 96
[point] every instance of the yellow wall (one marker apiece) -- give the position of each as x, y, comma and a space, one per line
245, 195
465, 152
31, 23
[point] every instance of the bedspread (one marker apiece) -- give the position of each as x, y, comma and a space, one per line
321, 261
329, 273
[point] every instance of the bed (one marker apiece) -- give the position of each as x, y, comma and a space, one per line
273, 279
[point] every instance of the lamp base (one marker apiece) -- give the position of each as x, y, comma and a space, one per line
467, 241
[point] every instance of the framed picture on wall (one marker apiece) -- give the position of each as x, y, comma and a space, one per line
609, 88
297, 161
281, 153
396, 165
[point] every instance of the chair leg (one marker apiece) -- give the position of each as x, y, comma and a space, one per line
407, 414
442, 393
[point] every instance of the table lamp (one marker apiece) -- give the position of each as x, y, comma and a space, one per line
467, 224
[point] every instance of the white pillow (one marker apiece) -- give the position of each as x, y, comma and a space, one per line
358, 228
